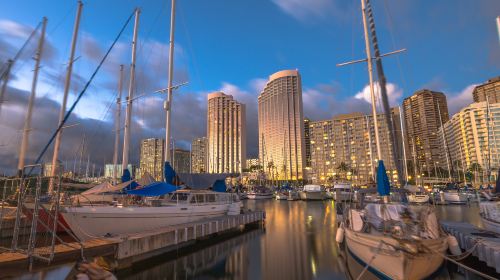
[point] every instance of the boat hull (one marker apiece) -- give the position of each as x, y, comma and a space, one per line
455, 197
419, 199
93, 222
260, 196
45, 217
490, 225
392, 263
309, 195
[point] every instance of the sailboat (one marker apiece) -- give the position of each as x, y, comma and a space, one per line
489, 211
379, 234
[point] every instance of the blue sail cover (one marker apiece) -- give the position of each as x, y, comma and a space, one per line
126, 177
383, 185
169, 173
219, 186
154, 189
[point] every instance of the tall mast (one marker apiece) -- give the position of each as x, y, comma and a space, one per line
5, 81
403, 143
370, 76
445, 143
168, 103
383, 92
128, 114
370, 146
67, 84
29, 113
117, 125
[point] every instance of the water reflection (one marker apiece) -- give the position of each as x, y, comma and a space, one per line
298, 242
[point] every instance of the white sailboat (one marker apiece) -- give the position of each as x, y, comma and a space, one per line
381, 236
181, 207
341, 192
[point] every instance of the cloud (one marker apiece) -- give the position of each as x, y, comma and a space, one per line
14, 29
457, 101
394, 94
307, 10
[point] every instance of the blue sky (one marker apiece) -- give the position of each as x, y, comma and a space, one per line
235, 45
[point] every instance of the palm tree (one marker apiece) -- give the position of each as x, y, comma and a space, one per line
476, 168
343, 168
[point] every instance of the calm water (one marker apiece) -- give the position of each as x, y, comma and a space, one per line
297, 242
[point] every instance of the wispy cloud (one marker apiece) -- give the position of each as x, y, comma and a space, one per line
307, 10
458, 100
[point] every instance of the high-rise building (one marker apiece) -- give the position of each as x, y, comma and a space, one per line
151, 159
199, 155
281, 127
182, 161
472, 137
491, 89
109, 170
422, 123
321, 151
307, 141
226, 133
253, 162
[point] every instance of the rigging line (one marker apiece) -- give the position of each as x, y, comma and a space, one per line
391, 32
18, 54
82, 92
190, 46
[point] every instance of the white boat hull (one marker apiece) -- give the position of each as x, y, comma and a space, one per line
281, 196
389, 262
418, 198
309, 195
260, 196
92, 222
455, 197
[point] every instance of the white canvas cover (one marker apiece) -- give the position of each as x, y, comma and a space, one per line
312, 188
106, 187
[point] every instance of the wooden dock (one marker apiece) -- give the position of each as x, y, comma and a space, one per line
487, 243
122, 251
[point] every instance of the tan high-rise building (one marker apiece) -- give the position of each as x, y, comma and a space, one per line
182, 161
468, 140
199, 155
422, 124
281, 127
491, 89
307, 141
321, 151
355, 147
151, 159
226, 134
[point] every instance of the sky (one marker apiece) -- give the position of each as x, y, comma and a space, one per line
231, 46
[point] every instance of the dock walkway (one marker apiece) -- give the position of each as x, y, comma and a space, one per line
124, 250
488, 243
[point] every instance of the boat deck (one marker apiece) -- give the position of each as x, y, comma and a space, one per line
488, 247
122, 251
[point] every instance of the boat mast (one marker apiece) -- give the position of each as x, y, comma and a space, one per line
370, 76
128, 114
445, 143
383, 91
117, 126
67, 84
168, 102
29, 113
403, 143
370, 146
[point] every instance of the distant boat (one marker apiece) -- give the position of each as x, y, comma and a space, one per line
417, 195
182, 206
260, 193
452, 194
313, 192
342, 192
293, 195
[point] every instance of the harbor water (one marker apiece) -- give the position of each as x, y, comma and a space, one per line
297, 241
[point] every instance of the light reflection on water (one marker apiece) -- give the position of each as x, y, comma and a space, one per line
298, 242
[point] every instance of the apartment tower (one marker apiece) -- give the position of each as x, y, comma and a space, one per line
199, 155
281, 127
422, 120
151, 159
226, 134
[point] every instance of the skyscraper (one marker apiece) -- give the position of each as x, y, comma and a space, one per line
422, 123
226, 133
151, 159
491, 89
472, 138
307, 141
321, 151
182, 161
199, 155
281, 126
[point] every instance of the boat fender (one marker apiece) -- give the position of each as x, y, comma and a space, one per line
340, 233
441, 196
453, 245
